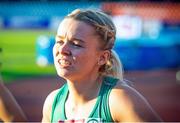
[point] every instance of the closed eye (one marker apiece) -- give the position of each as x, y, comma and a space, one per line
60, 42
76, 44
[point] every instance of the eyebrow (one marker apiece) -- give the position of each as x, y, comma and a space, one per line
59, 37
62, 37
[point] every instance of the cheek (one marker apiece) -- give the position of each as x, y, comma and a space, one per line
85, 57
78, 55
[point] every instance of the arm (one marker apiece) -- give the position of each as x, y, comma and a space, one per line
47, 108
126, 104
9, 108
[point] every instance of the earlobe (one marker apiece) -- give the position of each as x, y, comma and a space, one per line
100, 62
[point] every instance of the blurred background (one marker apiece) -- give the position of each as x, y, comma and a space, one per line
148, 43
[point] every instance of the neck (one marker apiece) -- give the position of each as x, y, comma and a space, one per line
84, 89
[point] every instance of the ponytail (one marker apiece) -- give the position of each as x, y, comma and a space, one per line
117, 68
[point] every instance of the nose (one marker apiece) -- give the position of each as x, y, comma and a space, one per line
64, 49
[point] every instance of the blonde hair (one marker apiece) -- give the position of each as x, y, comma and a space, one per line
106, 30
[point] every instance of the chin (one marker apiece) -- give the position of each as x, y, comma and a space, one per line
63, 74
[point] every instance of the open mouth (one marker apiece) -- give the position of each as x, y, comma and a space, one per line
64, 63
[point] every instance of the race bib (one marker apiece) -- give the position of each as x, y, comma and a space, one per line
88, 120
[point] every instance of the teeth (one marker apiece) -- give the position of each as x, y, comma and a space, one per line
64, 62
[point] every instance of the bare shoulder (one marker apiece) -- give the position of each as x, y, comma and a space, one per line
47, 108
127, 104
51, 96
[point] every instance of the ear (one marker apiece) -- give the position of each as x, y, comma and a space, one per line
104, 57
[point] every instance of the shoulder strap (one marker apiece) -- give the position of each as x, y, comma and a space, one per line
59, 95
108, 84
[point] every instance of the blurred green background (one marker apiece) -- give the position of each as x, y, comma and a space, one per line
19, 54
20, 28
146, 39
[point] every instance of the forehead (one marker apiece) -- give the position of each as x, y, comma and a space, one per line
74, 28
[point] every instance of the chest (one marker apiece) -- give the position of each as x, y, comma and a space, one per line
96, 110
81, 111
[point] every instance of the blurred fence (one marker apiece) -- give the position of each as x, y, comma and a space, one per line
147, 33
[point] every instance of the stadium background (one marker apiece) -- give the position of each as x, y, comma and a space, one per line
148, 43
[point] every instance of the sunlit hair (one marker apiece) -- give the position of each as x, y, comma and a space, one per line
106, 30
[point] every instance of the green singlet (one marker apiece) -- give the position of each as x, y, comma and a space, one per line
100, 112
